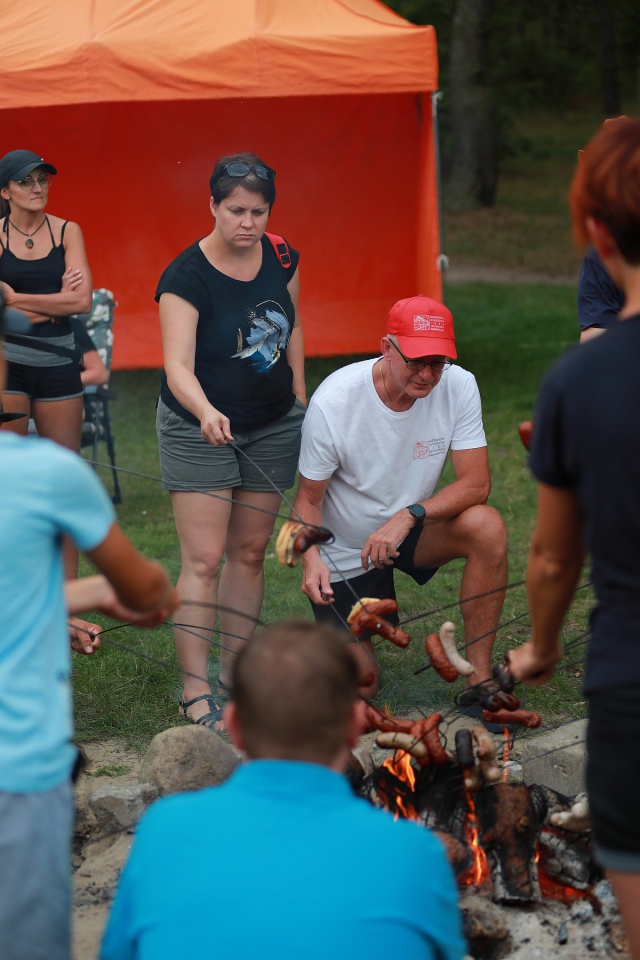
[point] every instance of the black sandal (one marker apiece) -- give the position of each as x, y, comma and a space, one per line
207, 719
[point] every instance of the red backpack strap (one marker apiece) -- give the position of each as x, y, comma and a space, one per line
281, 248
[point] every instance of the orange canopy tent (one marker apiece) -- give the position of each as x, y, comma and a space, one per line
133, 100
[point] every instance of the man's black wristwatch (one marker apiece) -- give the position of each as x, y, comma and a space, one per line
418, 513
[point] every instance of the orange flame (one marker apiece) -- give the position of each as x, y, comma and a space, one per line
479, 871
400, 766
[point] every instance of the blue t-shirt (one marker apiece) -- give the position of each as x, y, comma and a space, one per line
587, 439
599, 300
282, 861
45, 493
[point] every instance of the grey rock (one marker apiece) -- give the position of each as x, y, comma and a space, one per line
118, 806
556, 758
187, 758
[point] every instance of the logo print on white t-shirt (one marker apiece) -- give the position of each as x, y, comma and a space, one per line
423, 449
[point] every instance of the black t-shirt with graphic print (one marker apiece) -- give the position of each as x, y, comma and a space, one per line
242, 334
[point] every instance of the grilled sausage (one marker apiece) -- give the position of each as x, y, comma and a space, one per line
404, 741
367, 615
464, 749
486, 754
526, 717
448, 638
439, 660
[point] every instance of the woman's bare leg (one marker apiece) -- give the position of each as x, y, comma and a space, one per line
201, 525
16, 403
242, 577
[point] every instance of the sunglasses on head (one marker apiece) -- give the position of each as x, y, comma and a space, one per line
240, 169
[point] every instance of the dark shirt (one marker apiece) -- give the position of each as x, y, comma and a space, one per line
43, 275
599, 300
587, 439
242, 334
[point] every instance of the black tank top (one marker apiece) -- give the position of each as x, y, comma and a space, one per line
37, 276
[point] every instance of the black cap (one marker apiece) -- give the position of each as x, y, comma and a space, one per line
19, 163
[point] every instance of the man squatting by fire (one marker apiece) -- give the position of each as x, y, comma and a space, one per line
374, 444
291, 859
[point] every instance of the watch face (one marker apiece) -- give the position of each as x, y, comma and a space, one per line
417, 510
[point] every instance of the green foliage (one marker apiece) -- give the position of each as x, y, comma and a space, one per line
543, 53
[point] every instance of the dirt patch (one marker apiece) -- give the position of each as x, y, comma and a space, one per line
97, 860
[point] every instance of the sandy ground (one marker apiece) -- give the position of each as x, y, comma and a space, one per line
98, 861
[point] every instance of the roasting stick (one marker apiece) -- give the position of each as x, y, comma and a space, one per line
308, 526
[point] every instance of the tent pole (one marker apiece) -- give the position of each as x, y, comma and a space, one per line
443, 260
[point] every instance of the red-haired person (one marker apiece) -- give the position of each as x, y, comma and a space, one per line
586, 456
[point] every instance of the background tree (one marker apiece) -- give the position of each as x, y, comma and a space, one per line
540, 54
474, 170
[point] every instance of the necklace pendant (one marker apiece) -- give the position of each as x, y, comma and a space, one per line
28, 243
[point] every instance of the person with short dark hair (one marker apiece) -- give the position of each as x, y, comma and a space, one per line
48, 492
283, 860
374, 444
585, 455
229, 417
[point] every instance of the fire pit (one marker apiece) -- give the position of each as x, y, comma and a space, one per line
528, 888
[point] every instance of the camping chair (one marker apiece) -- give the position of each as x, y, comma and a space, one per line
96, 426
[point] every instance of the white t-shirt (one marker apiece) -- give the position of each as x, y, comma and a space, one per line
380, 460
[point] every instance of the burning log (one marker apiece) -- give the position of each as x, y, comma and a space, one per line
509, 827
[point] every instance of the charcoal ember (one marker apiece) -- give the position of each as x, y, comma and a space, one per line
568, 863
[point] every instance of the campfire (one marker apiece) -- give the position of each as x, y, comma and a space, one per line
500, 837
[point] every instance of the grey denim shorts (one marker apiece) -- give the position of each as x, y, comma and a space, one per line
189, 463
35, 880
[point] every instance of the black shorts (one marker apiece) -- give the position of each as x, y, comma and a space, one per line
374, 583
61, 382
613, 775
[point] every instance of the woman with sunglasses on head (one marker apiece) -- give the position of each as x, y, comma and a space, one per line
44, 272
233, 384
585, 455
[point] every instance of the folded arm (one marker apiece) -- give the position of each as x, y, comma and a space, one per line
76, 295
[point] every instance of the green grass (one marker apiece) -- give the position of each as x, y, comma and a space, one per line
507, 336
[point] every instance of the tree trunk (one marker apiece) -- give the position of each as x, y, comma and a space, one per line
609, 82
474, 170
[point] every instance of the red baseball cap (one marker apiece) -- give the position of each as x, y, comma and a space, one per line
423, 327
